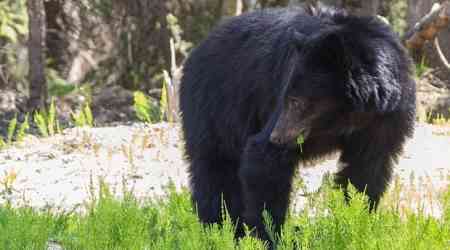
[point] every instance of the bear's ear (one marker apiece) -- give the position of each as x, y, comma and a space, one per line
328, 49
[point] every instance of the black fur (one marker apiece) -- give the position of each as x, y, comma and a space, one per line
261, 79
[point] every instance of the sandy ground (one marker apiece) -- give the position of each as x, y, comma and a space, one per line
62, 172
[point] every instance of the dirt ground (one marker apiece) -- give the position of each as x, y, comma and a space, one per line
62, 172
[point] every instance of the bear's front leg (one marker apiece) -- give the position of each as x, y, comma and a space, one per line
266, 175
368, 156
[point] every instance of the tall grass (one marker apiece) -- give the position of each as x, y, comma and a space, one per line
326, 223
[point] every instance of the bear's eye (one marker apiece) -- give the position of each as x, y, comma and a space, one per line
296, 102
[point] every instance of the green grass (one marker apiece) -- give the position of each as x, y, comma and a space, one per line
327, 223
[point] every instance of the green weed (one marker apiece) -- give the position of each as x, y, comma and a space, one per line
88, 114
84, 117
143, 108
421, 68
2, 143
163, 103
23, 128
11, 129
41, 123
51, 118
46, 120
440, 120
300, 142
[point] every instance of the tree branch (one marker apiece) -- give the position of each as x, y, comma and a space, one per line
429, 26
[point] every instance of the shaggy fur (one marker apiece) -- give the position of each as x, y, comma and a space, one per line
261, 79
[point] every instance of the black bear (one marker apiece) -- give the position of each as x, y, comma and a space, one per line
261, 80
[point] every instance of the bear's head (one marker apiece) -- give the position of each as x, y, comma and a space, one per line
339, 78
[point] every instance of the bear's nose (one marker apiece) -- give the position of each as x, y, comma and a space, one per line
276, 138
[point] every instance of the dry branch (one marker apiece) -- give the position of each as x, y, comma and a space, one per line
444, 60
172, 82
239, 7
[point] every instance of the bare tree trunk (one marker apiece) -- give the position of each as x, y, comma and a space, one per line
57, 45
38, 85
